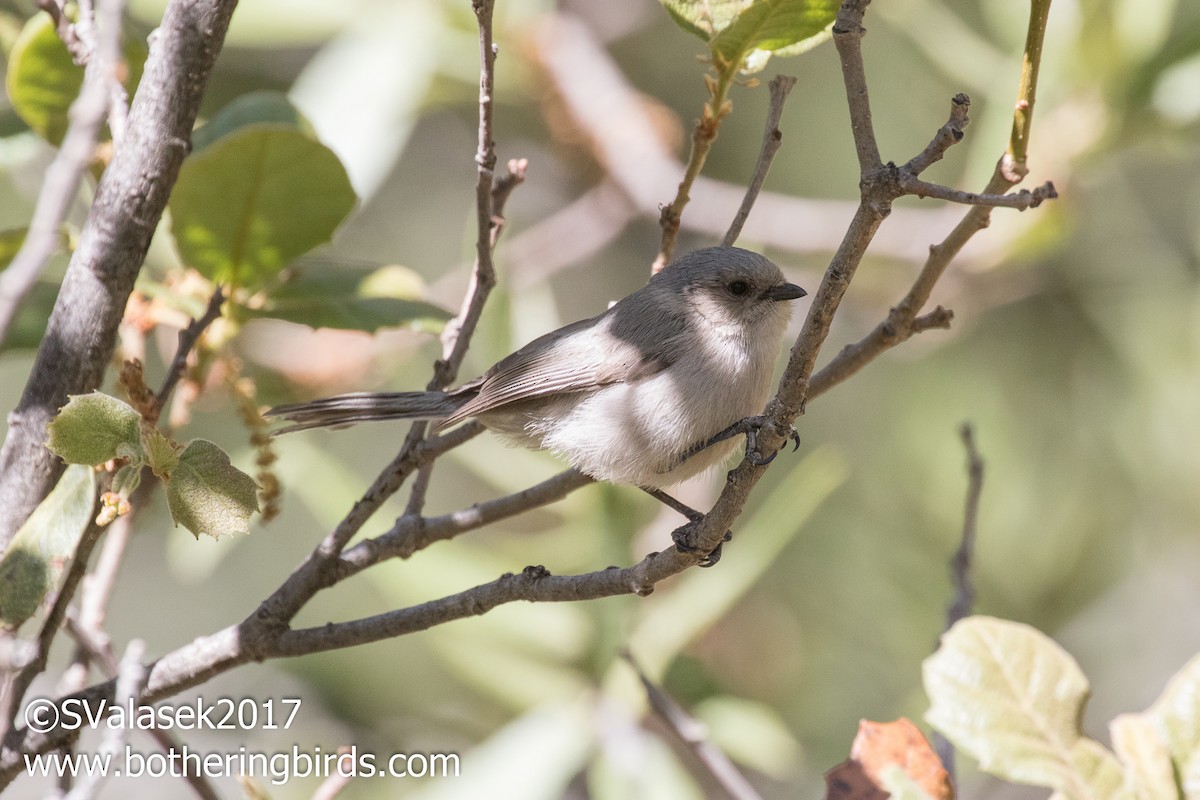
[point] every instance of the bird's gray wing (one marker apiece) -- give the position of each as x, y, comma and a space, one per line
580, 356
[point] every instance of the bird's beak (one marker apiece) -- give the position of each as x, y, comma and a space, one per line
784, 291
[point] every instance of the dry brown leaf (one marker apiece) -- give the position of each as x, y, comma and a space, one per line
878, 746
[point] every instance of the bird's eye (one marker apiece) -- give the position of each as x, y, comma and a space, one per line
738, 288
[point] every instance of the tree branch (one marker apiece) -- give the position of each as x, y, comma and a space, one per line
960, 568
781, 86
901, 322
187, 340
1019, 200
693, 735
130, 198
964, 590
98, 650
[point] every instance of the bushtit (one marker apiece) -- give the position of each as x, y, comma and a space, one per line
627, 395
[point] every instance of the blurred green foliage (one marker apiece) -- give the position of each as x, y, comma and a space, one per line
1075, 353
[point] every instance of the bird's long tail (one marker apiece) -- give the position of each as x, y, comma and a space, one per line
347, 409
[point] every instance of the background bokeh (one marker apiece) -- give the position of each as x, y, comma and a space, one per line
1075, 353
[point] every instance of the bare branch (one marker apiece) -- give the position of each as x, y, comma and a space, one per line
1014, 168
131, 196
947, 136
411, 533
781, 85
338, 780
318, 570
97, 649
623, 138
964, 590
131, 676
456, 336
187, 340
1019, 200
847, 37
693, 734
960, 568
68, 32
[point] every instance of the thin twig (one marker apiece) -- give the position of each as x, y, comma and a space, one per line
317, 570
947, 136
964, 589
477, 293
623, 138
100, 652
960, 568
1019, 200
1013, 166
847, 37
68, 31
131, 676
716, 108
780, 86
187, 340
693, 734
456, 336
65, 173
411, 534
338, 780
901, 320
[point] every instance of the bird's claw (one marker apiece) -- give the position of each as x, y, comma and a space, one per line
753, 455
684, 535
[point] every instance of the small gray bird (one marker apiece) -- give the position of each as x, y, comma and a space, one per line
627, 395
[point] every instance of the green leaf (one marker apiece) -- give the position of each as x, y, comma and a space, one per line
353, 298
1011, 698
207, 494
704, 18
43, 81
41, 548
94, 428
785, 27
161, 454
251, 109
254, 200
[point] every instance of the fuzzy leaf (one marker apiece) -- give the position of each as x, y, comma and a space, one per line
256, 199
207, 494
94, 428
37, 554
1011, 698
